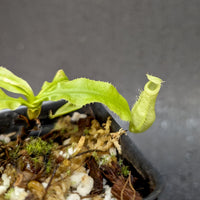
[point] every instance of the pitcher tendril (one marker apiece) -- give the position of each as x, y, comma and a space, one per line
77, 93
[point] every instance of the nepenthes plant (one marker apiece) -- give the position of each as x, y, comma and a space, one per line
79, 92
79, 157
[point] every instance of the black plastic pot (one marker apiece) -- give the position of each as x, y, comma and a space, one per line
9, 122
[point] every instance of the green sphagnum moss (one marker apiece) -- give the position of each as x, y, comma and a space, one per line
38, 147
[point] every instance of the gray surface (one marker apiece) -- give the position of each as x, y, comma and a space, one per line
120, 41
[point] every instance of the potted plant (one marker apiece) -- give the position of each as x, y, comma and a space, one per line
51, 151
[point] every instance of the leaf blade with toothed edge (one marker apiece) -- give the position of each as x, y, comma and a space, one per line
82, 91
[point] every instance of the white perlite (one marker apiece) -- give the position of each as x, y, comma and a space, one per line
108, 194
76, 179
73, 197
6, 183
5, 138
82, 182
76, 116
18, 194
86, 185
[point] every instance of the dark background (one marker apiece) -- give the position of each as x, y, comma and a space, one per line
120, 41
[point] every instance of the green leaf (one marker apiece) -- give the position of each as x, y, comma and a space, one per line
66, 108
49, 86
14, 84
82, 91
7, 102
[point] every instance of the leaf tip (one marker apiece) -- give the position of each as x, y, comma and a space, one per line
60, 75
